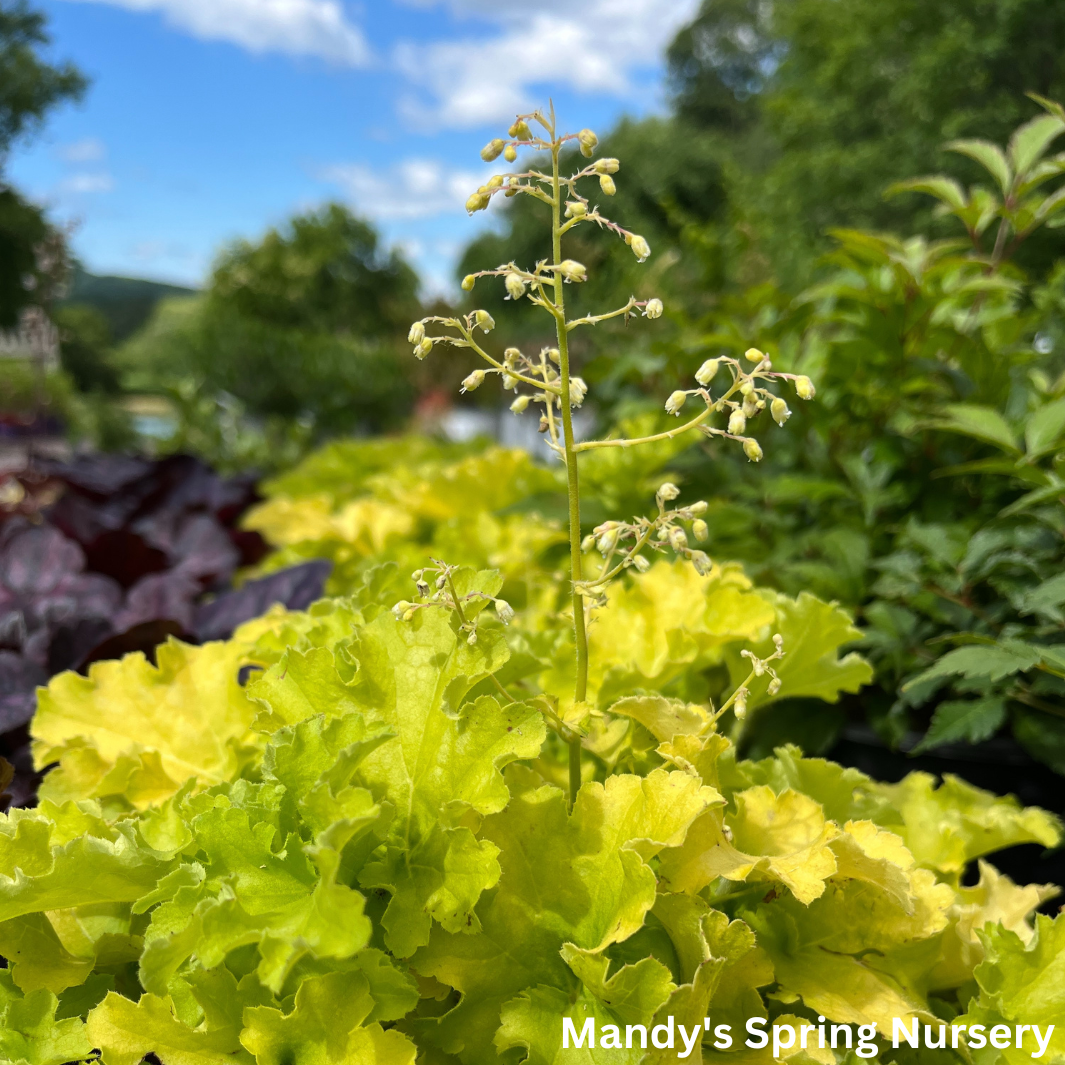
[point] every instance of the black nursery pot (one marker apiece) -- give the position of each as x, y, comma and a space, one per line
999, 765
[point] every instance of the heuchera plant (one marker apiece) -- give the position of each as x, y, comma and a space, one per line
333, 839
557, 390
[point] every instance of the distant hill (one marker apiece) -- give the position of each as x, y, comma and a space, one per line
126, 302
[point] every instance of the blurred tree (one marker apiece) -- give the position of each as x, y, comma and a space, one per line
829, 101
29, 88
85, 347
308, 323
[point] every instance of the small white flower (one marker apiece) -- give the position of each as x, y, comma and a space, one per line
737, 423
520, 404
571, 270
779, 410
653, 309
640, 248
425, 345
707, 372
668, 492
417, 333
515, 286
485, 321
675, 402
504, 610
752, 449
474, 381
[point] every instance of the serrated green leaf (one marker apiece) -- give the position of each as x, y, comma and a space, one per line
944, 189
993, 661
989, 156
633, 993
300, 686
36, 957
1031, 140
980, 423
969, 720
1044, 428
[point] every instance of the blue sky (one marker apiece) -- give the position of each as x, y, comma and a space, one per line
209, 120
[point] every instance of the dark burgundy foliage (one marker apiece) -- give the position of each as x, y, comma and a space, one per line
112, 554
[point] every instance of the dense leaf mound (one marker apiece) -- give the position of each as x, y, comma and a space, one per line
359, 855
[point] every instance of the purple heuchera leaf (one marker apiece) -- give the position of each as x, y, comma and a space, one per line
160, 596
295, 588
19, 678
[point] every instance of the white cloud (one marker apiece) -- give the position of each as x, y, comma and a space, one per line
297, 27
415, 188
89, 150
479, 80
86, 184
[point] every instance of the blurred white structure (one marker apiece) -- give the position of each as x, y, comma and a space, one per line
36, 338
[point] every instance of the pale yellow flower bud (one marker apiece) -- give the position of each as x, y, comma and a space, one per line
750, 406
554, 356
675, 402
707, 372
606, 184
668, 492
678, 540
474, 381
576, 209
640, 248
510, 357
417, 333
701, 561
754, 355
752, 449
607, 166
485, 321
737, 423
699, 508
520, 404
588, 141
740, 705
424, 346
571, 270
746, 388
774, 686
641, 563
578, 389
607, 541
779, 410
515, 286
588, 543
468, 282
477, 202
653, 309
403, 611
492, 150
805, 387
471, 640
510, 153
504, 610
509, 382
520, 131
699, 529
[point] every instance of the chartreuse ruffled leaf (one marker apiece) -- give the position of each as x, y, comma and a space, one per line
326, 1026
946, 827
29, 1032
813, 633
136, 732
1021, 981
55, 858
255, 883
124, 1031
443, 765
597, 859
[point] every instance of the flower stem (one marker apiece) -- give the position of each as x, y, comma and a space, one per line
580, 633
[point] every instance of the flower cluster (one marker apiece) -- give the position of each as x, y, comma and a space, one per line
436, 587
622, 543
743, 400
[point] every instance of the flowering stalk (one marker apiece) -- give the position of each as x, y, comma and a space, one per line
558, 390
